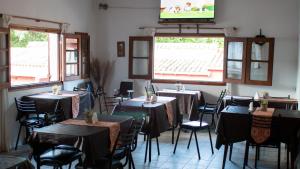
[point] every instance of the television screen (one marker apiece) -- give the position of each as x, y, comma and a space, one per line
187, 9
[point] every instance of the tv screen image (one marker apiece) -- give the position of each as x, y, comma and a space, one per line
187, 9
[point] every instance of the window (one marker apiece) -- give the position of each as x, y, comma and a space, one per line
4, 58
72, 58
34, 56
140, 57
249, 60
189, 58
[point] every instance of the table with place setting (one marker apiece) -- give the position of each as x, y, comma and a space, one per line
72, 102
188, 101
236, 124
95, 140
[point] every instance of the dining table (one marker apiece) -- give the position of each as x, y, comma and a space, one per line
277, 102
234, 125
73, 103
162, 116
187, 101
95, 140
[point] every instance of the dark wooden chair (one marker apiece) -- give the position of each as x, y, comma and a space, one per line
213, 109
195, 126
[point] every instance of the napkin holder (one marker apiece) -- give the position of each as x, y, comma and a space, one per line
153, 98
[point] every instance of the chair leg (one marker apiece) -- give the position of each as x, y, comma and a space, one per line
287, 157
211, 144
279, 151
20, 128
256, 156
177, 140
225, 155
230, 151
173, 129
246, 155
188, 146
131, 161
197, 145
157, 144
146, 151
70, 165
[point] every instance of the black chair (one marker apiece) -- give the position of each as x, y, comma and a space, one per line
213, 109
140, 124
121, 150
47, 154
238, 102
195, 126
125, 90
28, 117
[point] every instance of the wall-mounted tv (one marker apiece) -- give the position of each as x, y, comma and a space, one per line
187, 11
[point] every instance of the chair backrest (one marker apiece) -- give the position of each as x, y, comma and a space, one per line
125, 139
124, 87
240, 102
25, 108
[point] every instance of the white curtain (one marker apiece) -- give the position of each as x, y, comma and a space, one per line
4, 22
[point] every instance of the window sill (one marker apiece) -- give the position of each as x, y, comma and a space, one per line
33, 86
189, 82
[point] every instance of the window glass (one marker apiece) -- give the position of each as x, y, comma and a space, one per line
34, 57
189, 58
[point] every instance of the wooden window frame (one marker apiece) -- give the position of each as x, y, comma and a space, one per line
85, 37
269, 61
6, 67
64, 65
222, 83
227, 41
37, 29
247, 60
131, 57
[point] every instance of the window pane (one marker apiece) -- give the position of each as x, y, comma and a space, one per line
260, 52
71, 44
140, 66
3, 44
259, 71
189, 58
235, 50
71, 56
72, 70
140, 49
3, 58
3, 76
34, 57
234, 69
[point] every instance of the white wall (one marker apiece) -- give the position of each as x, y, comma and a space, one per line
277, 19
78, 13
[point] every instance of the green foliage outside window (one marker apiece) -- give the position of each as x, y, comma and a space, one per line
219, 41
20, 39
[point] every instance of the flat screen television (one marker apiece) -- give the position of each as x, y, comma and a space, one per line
177, 11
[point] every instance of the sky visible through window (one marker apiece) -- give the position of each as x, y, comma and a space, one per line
189, 58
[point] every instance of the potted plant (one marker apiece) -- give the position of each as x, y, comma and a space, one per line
263, 105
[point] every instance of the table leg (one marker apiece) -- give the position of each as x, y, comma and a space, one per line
150, 142
146, 151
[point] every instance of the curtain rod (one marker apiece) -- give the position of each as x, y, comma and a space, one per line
36, 19
184, 27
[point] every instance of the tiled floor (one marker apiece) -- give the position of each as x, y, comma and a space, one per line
188, 159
